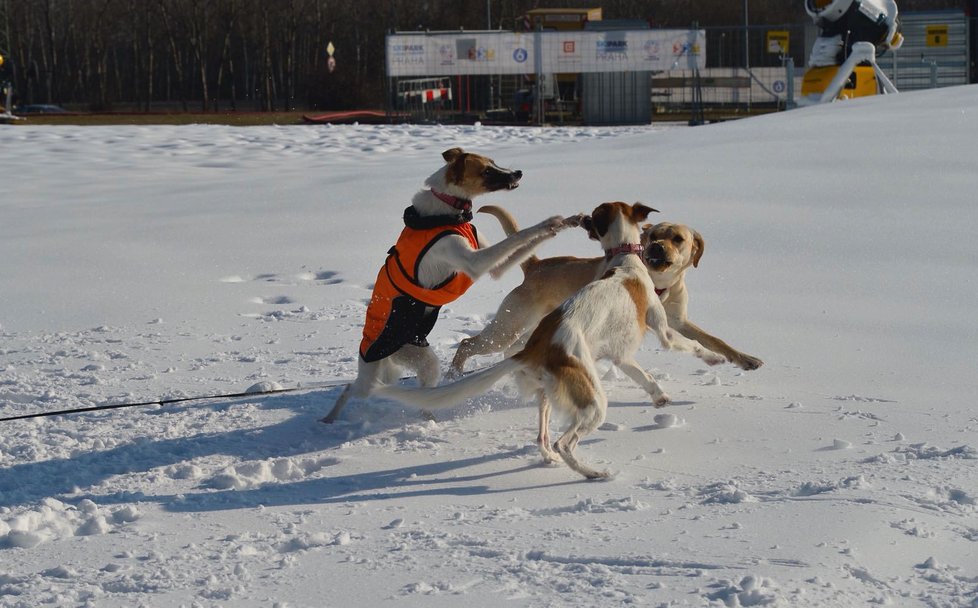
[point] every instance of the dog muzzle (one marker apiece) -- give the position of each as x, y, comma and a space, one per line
502, 179
655, 255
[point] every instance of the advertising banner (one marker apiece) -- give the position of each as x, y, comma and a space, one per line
462, 53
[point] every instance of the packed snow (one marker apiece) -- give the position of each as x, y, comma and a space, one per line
157, 263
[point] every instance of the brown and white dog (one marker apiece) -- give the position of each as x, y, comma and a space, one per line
606, 319
670, 250
442, 247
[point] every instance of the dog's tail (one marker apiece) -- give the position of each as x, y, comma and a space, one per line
449, 395
508, 222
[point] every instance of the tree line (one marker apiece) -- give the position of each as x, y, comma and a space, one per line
214, 55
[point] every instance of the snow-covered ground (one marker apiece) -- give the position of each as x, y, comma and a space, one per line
139, 263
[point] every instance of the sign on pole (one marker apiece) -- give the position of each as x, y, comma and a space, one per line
937, 35
777, 42
330, 60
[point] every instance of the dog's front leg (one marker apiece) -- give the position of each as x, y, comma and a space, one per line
742, 360
549, 229
675, 308
655, 318
509, 251
644, 379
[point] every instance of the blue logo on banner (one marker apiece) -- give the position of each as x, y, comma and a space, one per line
520, 55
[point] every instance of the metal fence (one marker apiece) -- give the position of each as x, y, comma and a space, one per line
723, 72
937, 51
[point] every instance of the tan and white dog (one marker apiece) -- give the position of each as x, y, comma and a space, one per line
606, 319
437, 257
670, 250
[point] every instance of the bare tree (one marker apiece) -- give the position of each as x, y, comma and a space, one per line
173, 39
199, 13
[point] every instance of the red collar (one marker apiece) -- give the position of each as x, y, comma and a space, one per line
659, 292
462, 204
626, 248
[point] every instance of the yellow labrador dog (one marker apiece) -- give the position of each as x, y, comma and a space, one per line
670, 250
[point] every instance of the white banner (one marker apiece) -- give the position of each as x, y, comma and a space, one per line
450, 54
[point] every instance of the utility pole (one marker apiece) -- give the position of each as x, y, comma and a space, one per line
747, 54
6, 65
746, 38
4, 30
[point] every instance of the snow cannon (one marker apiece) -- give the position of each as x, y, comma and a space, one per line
851, 34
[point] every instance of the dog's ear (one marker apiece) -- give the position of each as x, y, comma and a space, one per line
698, 246
451, 154
640, 212
646, 234
587, 223
600, 221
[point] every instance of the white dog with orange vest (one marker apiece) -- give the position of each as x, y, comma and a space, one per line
437, 257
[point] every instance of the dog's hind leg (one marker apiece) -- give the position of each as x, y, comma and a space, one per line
367, 377
565, 447
502, 331
543, 435
586, 420
634, 371
353, 389
330, 418
424, 362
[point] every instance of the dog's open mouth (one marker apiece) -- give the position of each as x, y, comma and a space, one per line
499, 179
494, 187
656, 258
511, 179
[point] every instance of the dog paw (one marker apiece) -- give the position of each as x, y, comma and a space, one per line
661, 400
711, 358
574, 221
549, 456
553, 225
749, 363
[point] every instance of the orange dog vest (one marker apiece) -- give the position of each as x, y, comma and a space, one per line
402, 311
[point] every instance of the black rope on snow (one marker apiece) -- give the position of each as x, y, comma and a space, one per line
97, 408
115, 406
